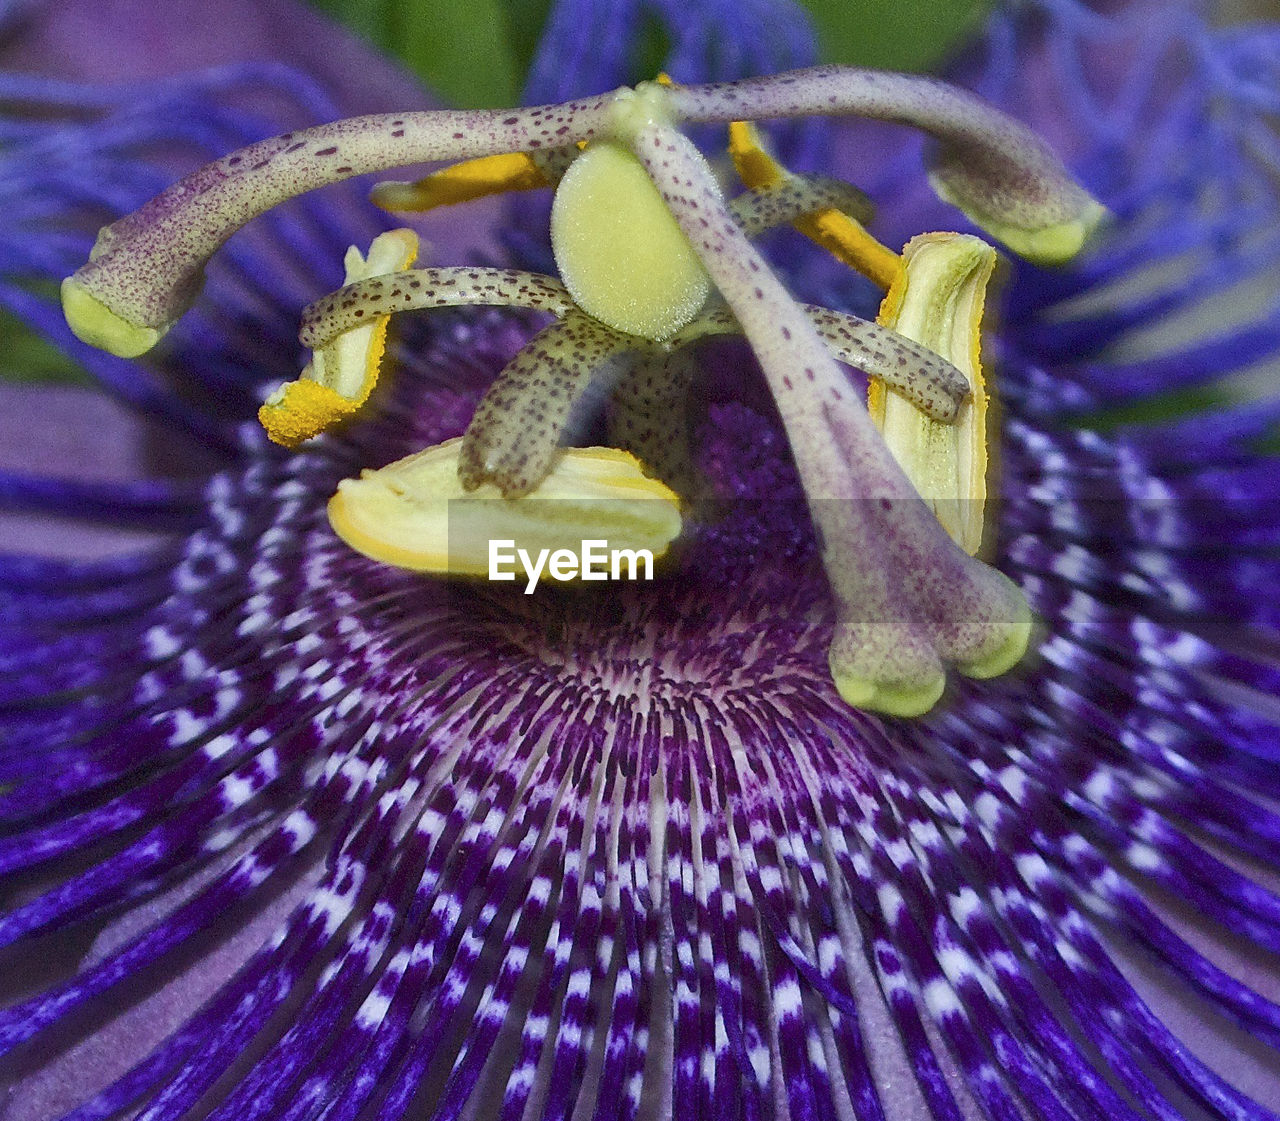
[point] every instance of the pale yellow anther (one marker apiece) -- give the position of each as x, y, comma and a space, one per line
340, 376
471, 179
938, 301
843, 237
415, 513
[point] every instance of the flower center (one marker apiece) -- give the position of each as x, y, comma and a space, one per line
651, 259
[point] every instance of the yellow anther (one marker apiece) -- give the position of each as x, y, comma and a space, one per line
756, 168
849, 242
841, 236
938, 300
301, 409
471, 179
415, 513
340, 376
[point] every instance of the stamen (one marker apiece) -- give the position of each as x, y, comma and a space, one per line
415, 513
938, 301
515, 434
303, 409
997, 171
471, 179
837, 228
907, 598
928, 381
344, 367
798, 197
416, 289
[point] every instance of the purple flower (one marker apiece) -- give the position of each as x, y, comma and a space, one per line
115, 41
341, 841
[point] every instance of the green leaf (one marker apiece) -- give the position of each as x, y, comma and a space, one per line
893, 34
477, 52
1170, 406
525, 20
469, 52
462, 49
28, 357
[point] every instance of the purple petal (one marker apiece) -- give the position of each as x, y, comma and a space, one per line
120, 41
58, 431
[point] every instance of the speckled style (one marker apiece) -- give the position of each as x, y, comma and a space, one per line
908, 598
148, 265
415, 289
992, 167
146, 269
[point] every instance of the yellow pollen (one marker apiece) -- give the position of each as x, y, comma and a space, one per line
340, 376
302, 409
837, 233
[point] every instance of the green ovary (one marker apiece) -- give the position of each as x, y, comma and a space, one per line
619, 250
